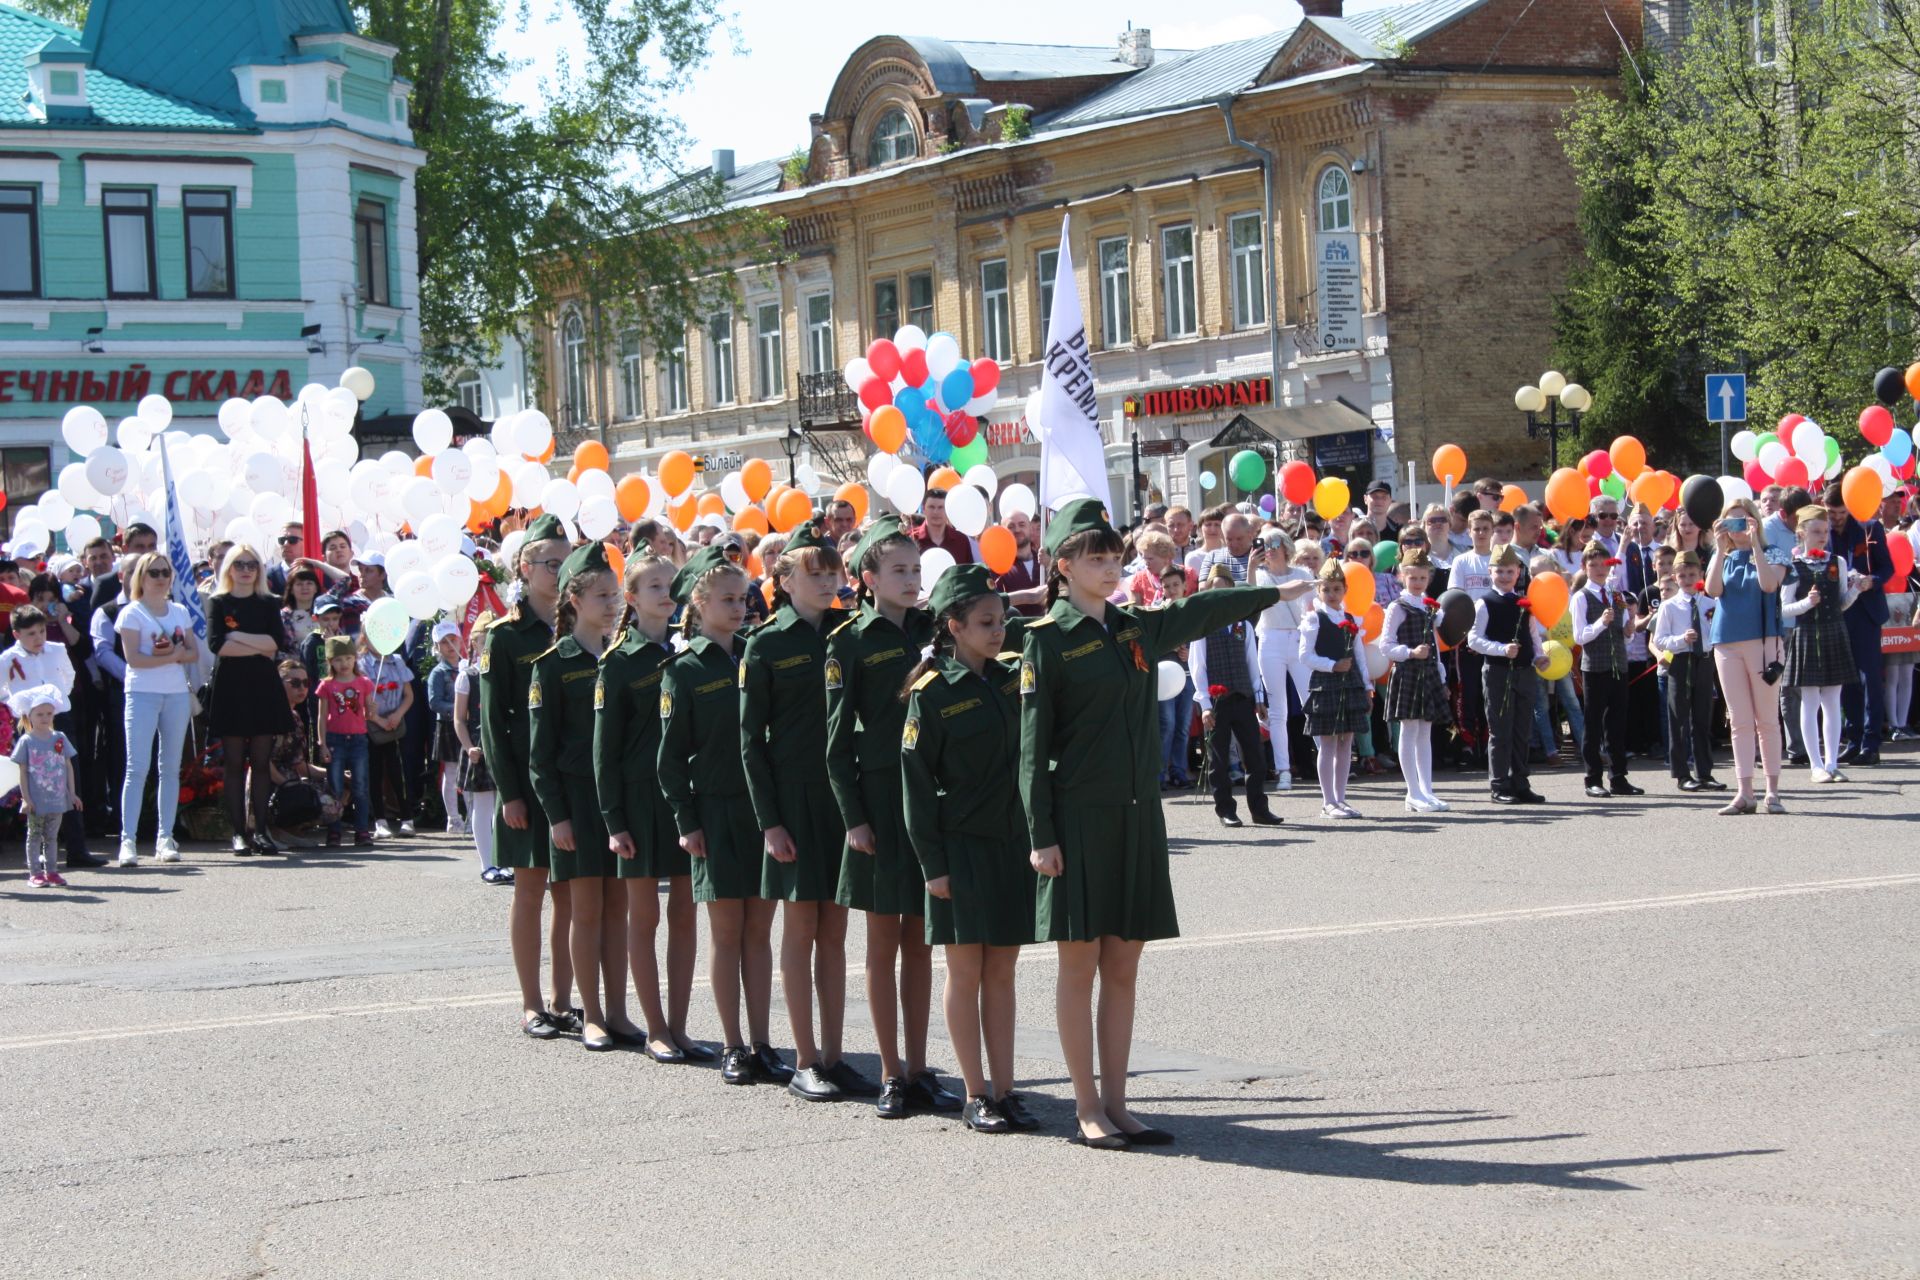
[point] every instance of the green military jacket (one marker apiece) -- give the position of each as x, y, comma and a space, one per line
1089, 698
626, 730
699, 711
868, 659
959, 754
783, 703
560, 709
506, 669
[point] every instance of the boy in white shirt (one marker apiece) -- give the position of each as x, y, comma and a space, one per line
1681, 630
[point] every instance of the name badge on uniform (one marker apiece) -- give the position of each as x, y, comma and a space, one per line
1028, 681
666, 704
910, 735
533, 695
833, 673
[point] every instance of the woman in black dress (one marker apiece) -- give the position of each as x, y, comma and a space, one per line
246, 707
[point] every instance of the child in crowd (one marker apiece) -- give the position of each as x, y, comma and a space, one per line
1512, 645
1602, 619
48, 786
1561, 691
345, 697
1681, 632
1340, 692
1817, 590
447, 752
1225, 668
1417, 690
386, 720
1176, 713
475, 780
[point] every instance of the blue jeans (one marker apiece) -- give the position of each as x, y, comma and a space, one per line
1176, 723
144, 714
1561, 689
349, 751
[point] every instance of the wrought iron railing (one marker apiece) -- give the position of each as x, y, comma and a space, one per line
826, 403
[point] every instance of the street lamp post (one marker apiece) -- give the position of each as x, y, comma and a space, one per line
790, 445
1553, 394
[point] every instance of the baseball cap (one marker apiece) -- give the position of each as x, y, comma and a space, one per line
1380, 486
373, 558
444, 628
328, 603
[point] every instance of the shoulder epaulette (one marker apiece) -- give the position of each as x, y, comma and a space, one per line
925, 680
843, 626
1044, 620
1011, 655
548, 651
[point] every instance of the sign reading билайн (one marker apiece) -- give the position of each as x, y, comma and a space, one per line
91, 384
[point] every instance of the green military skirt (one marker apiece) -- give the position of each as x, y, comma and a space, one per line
887, 881
592, 853
991, 881
811, 817
1115, 880
735, 849
522, 849
657, 854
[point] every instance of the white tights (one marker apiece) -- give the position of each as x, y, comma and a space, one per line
1335, 757
480, 822
1823, 749
450, 791
1416, 759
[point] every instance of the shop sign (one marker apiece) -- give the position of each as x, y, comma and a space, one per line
1346, 449
1337, 273
1202, 397
119, 386
1899, 640
1162, 448
725, 461
1007, 433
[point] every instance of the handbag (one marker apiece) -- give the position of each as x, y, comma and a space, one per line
378, 737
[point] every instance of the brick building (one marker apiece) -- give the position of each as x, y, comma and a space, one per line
1421, 218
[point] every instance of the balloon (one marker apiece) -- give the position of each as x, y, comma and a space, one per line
967, 510
792, 510
1169, 679
970, 456
1248, 469
1548, 595
888, 428
1702, 499
957, 387
1360, 586
910, 337
84, 429
1792, 473
1734, 489
1756, 475
1806, 437
1567, 496
961, 428
534, 435
1876, 424
1386, 556
753, 519
591, 455
107, 469
756, 477
1614, 487
1913, 381
1296, 482
452, 470
1267, 504
1597, 465
676, 473
711, 504
874, 393
986, 376
268, 417
879, 467
1898, 448
913, 366
1772, 454
1372, 623
883, 359
905, 489
455, 579
233, 416
1888, 384
734, 494
1449, 464
855, 494
1207, 481
933, 563
418, 594
357, 380
998, 550
1628, 456
1745, 446
1899, 549
1017, 497
982, 477
594, 484
432, 430
858, 373
1861, 491
943, 357
1832, 447
1330, 496
944, 478
682, 513
1559, 660
385, 623
1512, 497
597, 518
560, 498
1456, 616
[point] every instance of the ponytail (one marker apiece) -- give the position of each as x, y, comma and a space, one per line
870, 563
1087, 542
690, 615
942, 648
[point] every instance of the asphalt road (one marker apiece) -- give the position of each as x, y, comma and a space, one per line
1621, 1038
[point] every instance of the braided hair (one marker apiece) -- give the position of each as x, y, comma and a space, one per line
1088, 542
564, 613
871, 563
639, 560
943, 646
703, 587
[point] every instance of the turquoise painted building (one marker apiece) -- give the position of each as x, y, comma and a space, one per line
200, 198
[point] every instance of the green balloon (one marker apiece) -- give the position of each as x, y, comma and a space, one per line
1762, 441
1833, 452
1248, 469
969, 455
1614, 487
1386, 555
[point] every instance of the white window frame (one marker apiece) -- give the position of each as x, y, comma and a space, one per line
573, 364
721, 384
1180, 289
819, 333
633, 391
996, 315
1116, 293
673, 378
1333, 200
470, 391
901, 144
1046, 272
1249, 273
771, 367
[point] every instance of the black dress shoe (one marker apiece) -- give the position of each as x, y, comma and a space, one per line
768, 1066
1867, 759
570, 1021
849, 1081
628, 1039
1529, 797
670, 1056
697, 1052
1621, 787
736, 1065
1229, 820
1268, 819
1796, 758
892, 1104
1597, 791
926, 1093
1150, 1138
1014, 1108
602, 1043
1712, 784
85, 860
264, 846
540, 1027
1504, 797
812, 1084
982, 1116
1106, 1142
1849, 755
1689, 784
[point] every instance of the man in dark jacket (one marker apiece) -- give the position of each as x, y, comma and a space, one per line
1863, 547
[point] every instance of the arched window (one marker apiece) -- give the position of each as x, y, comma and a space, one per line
471, 391
893, 139
1336, 200
574, 361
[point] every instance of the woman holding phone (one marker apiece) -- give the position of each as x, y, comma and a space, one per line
1747, 649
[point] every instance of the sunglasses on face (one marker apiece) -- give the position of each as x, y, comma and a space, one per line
296, 684
246, 566
159, 573
288, 539
1606, 515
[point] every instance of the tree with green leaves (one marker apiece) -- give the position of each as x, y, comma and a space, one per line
1746, 203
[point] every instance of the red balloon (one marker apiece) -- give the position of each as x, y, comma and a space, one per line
961, 428
1597, 464
1296, 482
1757, 479
1876, 424
1905, 470
884, 359
1900, 550
1786, 425
1673, 492
1593, 487
1792, 472
986, 376
913, 366
874, 393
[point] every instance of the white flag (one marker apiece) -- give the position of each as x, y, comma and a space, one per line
176, 543
1073, 463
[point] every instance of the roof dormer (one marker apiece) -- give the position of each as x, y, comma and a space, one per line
57, 80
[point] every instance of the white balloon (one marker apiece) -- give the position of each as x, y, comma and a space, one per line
357, 380
244, 531
910, 337
452, 470
269, 511
858, 372
432, 430
332, 478
1878, 464
1772, 454
312, 394
943, 355
235, 415
806, 479
156, 411
133, 435
363, 496
197, 489
343, 449
268, 417
933, 563
1032, 415
263, 473
107, 470
340, 404
397, 463
439, 535
1170, 678
510, 549
534, 433
529, 478
1018, 497
505, 435
1809, 441
456, 578
733, 492
983, 403
55, 511
80, 531
73, 486
905, 489
481, 451
967, 509
483, 481
419, 498
594, 484
598, 516
406, 556
83, 429
879, 467
417, 594
982, 477
560, 498
1734, 488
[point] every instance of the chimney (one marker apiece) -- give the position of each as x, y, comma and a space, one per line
1321, 8
1136, 46
723, 165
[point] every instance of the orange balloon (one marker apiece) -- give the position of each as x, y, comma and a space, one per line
1629, 457
712, 504
676, 473
682, 513
573, 474
755, 565
756, 478
1359, 585
591, 456
1649, 489
1512, 497
1449, 464
1860, 490
501, 499
791, 511
997, 548
1913, 381
476, 516
1567, 496
766, 592
888, 428
1373, 623
616, 559
423, 466
631, 496
547, 455
1548, 595
944, 478
752, 518
857, 495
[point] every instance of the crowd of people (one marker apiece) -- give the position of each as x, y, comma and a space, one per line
798, 722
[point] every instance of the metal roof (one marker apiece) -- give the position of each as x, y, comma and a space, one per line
145, 42
1174, 81
1409, 21
990, 60
115, 103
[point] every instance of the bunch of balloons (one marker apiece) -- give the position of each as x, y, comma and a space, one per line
1796, 453
970, 505
919, 388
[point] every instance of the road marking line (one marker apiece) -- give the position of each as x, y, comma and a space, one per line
1039, 954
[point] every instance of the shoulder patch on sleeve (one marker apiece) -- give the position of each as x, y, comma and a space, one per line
1044, 620
925, 680
486, 658
1028, 681
666, 704
743, 673
599, 695
834, 679
533, 694
910, 736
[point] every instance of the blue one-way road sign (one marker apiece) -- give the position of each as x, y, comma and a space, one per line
1726, 397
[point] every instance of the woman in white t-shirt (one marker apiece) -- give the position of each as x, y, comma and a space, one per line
157, 637
1278, 630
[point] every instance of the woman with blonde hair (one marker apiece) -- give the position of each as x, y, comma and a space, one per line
1747, 648
246, 706
156, 634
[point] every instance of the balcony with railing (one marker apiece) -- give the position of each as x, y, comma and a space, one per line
826, 403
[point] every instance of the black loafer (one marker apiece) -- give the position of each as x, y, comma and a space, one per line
697, 1052
850, 1081
982, 1116
1621, 787
768, 1067
1267, 819
570, 1021
1867, 759
1229, 820
736, 1065
1530, 797
1689, 784
812, 1084
1712, 784
604, 1043
1014, 1108
1597, 791
892, 1104
628, 1039
1106, 1142
672, 1056
1150, 1138
926, 1093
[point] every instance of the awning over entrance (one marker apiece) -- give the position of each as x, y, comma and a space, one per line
1266, 424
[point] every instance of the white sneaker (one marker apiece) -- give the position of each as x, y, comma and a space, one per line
406, 828
1285, 783
1821, 775
129, 856
455, 827
165, 850
381, 831
1335, 812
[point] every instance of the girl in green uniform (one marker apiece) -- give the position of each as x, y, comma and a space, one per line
560, 765
626, 754
704, 783
519, 827
959, 750
1089, 772
783, 733
868, 657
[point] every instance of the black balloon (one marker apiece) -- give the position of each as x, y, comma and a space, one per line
1889, 386
1456, 616
1701, 499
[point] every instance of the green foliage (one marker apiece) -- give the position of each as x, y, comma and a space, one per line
794, 168
1741, 213
71, 12
1016, 123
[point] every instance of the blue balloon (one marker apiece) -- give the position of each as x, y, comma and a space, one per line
1899, 447
1207, 481
957, 388
909, 400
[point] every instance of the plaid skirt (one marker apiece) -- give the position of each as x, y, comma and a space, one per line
1336, 703
1819, 655
1414, 692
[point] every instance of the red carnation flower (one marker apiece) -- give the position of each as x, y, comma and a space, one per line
1216, 691
1526, 604
1349, 626
1816, 555
1430, 602
233, 623
1611, 561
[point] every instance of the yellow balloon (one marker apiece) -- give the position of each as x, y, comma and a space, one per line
1331, 496
1563, 629
1559, 660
